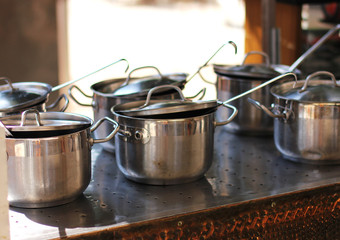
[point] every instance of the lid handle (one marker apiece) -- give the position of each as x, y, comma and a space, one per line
24, 117
129, 76
265, 56
154, 89
331, 75
8, 82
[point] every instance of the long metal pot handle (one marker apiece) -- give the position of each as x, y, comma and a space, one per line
313, 48
84, 94
206, 63
202, 92
232, 116
108, 137
89, 74
260, 106
54, 104
261, 86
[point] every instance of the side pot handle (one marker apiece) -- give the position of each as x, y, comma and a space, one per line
110, 136
232, 116
54, 104
260, 106
74, 99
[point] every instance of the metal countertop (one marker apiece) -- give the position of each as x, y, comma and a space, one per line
244, 168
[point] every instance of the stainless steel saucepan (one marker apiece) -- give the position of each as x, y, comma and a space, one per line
166, 142
307, 119
49, 157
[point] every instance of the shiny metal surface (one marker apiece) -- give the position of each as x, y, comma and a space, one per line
309, 132
164, 152
103, 100
20, 95
243, 168
45, 172
48, 172
249, 121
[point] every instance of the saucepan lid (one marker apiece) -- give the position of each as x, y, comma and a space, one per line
309, 90
182, 105
262, 71
163, 107
143, 85
32, 121
19, 95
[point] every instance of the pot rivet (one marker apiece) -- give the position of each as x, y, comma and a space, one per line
180, 223
138, 135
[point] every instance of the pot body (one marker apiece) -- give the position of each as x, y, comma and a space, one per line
44, 172
249, 121
310, 132
103, 102
164, 151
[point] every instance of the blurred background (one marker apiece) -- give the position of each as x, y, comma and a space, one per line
56, 41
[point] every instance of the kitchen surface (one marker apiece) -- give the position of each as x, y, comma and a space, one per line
200, 125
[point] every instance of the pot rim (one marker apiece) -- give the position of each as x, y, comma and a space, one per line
21, 95
296, 86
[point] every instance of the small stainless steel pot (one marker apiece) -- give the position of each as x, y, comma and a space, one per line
160, 142
307, 119
50, 171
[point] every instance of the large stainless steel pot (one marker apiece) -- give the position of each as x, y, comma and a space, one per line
167, 150
307, 119
169, 141
49, 171
103, 98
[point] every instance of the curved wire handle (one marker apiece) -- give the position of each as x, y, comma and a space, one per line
126, 82
206, 63
73, 81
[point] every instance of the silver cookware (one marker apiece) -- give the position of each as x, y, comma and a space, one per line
232, 81
52, 167
166, 142
16, 97
106, 94
166, 150
307, 119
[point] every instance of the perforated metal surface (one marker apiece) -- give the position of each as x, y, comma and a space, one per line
244, 168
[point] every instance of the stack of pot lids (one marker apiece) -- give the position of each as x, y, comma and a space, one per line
31, 122
142, 86
251, 71
317, 91
22, 95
